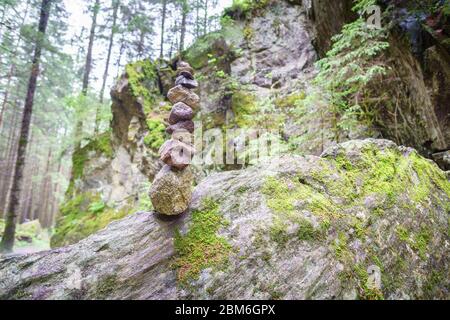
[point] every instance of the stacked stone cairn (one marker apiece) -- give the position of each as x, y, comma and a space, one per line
171, 191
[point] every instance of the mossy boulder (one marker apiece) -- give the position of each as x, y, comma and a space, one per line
366, 220
83, 215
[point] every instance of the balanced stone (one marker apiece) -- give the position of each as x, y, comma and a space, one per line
186, 74
171, 191
182, 94
183, 125
184, 67
183, 136
181, 112
187, 83
177, 154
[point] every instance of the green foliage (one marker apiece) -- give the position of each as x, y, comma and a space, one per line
198, 55
341, 184
201, 247
28, 234
100, 144
244, 9
291, 100
97, 207
351, 69
82, 216
142, 77
157, 134
244, 107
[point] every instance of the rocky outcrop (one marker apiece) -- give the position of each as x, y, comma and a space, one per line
258, 72
293, 228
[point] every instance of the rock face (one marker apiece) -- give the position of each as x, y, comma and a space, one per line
293, 228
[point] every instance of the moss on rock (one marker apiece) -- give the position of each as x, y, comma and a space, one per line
201, 247
336, 192
156, 135
82, 216
244, 107
100, 144
143, 80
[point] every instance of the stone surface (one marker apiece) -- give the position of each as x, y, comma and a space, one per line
176, 154
182, 94
183, 126
171, 191
186, 74
185, 82
180, 112
274, 215
183, 136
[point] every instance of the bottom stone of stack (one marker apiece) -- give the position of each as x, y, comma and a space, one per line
171, 191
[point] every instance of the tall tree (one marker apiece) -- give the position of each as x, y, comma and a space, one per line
205, 21
87, 70
7, 242
115, 6
184, 13
163, 22
12, 68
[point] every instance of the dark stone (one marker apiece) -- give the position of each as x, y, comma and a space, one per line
187, 83
180, 112
186, 74
183, 125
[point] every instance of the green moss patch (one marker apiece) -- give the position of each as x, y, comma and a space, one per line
82, 216
157, 134
100, 144
245, 9
201, 247
143, 80
244, 107
290, 101
334, 190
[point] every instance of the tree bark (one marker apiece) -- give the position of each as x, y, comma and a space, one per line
7, 242
87, 70
184, 12
205, 21
163, 21
12, 68
115, 4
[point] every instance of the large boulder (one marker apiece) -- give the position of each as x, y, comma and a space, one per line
171, 191
292, 228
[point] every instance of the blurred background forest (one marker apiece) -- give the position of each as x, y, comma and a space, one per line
86, 46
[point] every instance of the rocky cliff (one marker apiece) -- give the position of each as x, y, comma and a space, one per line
259, 71
292, 228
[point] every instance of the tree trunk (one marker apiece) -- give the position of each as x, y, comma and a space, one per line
12, 68
115, 4
184, 12
205, 21
197, 18
87, 71
163, 21
8, 165
7, 242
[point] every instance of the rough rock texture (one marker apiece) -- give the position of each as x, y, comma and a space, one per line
295, 228
181, 94
180, 112
263, 66
176, 153
171, 191
187, 125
